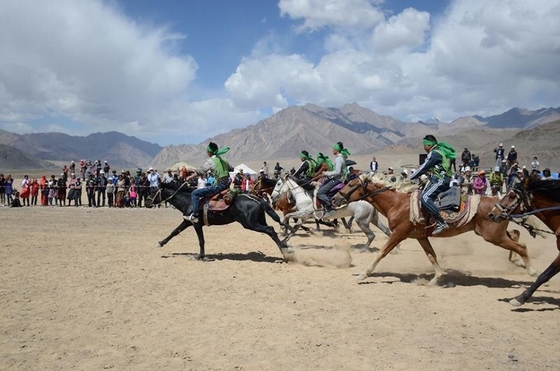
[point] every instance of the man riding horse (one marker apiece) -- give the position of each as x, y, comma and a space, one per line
333, 178
438, 162
306, 169
220, 168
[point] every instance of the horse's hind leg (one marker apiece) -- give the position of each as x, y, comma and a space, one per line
175, 232
431, 254
364, 226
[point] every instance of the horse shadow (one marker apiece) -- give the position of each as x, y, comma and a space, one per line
537, 301
255, 256
452, 278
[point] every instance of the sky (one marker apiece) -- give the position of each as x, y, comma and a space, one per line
178, 72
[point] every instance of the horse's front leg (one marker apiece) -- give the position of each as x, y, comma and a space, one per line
431, 254
175, 232
393, 241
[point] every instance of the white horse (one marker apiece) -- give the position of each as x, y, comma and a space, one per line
363, 212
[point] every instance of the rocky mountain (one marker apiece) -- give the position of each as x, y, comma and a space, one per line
116, 148
521, 118
13, 159
315, 128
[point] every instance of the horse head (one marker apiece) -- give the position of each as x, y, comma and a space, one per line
356, 189
164, 193
516, 200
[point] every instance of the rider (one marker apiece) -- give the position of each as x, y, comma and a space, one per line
322, 158
220, 168
307, 167
438, 162
333, 177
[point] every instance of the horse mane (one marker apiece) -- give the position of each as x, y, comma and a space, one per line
177, 186
401, 186
549, 188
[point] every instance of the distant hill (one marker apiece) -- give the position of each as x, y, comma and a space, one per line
363, 131
116, 148
13, 159
521, 118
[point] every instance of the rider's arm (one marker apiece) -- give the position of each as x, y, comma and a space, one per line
302, 169
338, 164
432, 160
207, 165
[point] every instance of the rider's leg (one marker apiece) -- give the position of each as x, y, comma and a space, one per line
435, 187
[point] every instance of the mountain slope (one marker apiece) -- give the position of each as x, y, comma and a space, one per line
13, 159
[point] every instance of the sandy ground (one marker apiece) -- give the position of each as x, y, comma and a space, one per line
87, 289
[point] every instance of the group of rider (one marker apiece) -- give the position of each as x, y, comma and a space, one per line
437, 165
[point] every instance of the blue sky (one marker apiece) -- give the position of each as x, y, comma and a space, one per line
176, 72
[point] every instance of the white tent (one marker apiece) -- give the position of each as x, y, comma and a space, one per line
246, 170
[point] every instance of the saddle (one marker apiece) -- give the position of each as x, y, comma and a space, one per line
331, 194
456, 209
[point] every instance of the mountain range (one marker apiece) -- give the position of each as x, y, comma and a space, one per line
285, 134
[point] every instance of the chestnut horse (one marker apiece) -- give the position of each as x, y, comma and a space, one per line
541, 198
390, 201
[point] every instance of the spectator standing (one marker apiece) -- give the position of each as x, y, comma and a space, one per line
75, 191
53, 193
535, 164
143, 186
480, 185
72, 168
277, 170
500, 154
512, 175
61, 190
247, 184
546, 175
44, 184
8, 189
238, 180
512, 156
106, 168
121, 189
101, 184
25, 190
264, 168
374, 166
466, 181
91, 185
2, 190
34, 191
132, 194
496, 182
110, 190
154, 179
466, 157
168, 176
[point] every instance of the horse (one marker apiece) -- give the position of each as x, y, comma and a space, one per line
363, 212
247, 210
542, 199
286, 205
393, 201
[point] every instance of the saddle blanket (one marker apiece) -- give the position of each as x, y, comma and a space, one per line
457, 219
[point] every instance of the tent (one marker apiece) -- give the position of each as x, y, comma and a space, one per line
246, 170
179, 165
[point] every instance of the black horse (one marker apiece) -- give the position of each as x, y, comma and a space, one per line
247, 210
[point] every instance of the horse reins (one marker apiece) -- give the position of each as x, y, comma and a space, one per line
168, 198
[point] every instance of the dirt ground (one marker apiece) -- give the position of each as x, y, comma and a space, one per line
88, 289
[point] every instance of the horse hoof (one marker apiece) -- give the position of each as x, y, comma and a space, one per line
533, 272
159, 244
361, 277
515, 302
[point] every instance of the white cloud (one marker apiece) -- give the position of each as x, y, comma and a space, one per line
86, 61
322, 13
477, 57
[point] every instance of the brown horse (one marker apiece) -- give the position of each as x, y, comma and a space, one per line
541, 198
394, 203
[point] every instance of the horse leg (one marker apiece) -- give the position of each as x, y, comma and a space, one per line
379, 224
431, 254
175, 232
200, 235
393, 240
348, 225
544, 277
501, 239
364, 226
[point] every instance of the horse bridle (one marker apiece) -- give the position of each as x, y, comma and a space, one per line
362, 185
522, 200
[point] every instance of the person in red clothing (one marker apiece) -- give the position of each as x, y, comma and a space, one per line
44, 186
34, 191
248, 183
